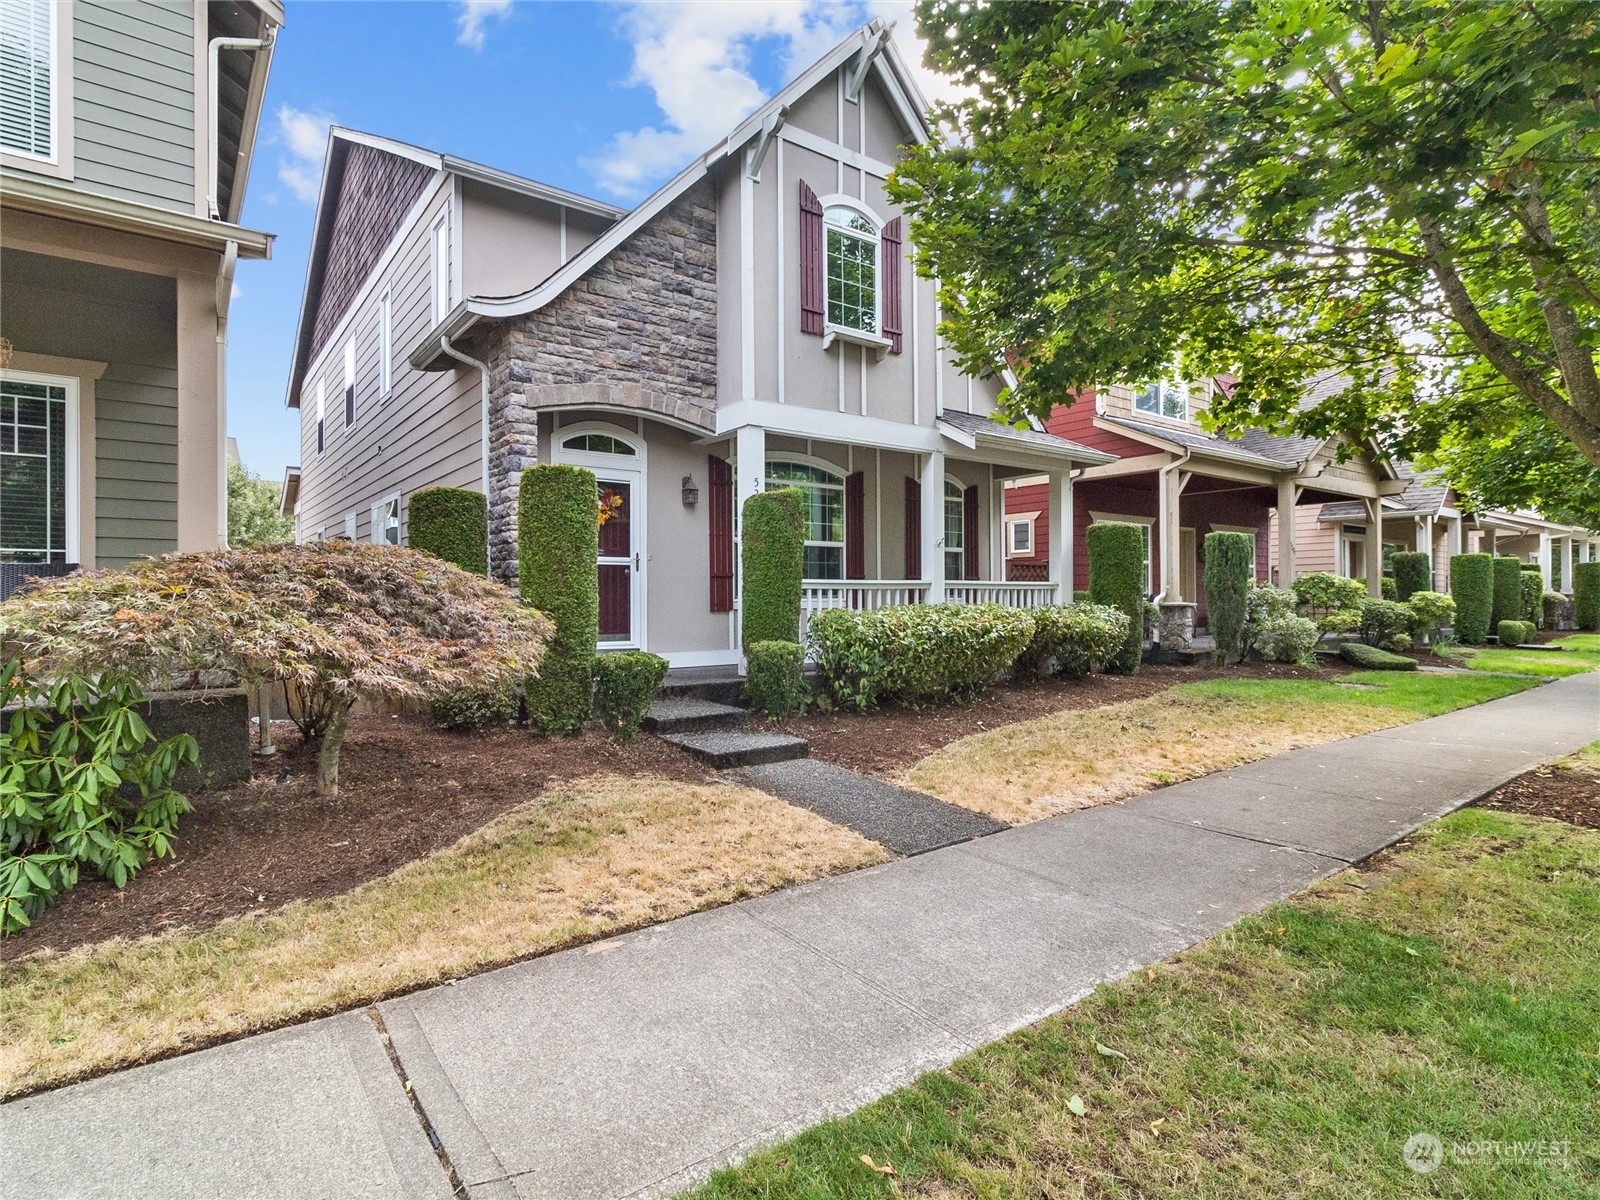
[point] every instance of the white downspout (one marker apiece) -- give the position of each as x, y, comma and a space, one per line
217, 45
483, 406
1169, 586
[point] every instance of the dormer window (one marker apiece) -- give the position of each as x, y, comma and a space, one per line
852, 269
1163, 399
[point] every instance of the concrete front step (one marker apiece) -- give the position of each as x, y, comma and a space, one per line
727, 748
718, 685
690, 715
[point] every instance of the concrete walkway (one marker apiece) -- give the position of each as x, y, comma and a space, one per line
633, 1067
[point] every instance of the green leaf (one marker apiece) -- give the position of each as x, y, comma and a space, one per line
1076, 1105
1108, 1052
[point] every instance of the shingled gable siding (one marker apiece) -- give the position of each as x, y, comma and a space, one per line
639, 330
375, 194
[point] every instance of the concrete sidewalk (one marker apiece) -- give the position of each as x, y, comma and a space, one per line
633, 1067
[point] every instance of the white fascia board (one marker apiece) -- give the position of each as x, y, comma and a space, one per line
377, 142
830, 426
903, 90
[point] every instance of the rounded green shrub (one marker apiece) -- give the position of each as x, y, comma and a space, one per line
1386, 624
558, 544
452, 523
775, 681
476, 708
1332, 601
1514, 633
1116, 579
1507, 600
1586, 594
1228, 575
1472, 587
626, 682
1430, 613
1073, 639
772, 534
1413, 572
1370, 658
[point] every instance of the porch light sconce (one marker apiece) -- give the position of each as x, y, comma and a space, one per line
691, 493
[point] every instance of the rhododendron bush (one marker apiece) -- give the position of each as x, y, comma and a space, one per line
337, 621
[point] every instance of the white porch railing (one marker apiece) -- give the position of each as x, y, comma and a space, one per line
819, 595
1012, 595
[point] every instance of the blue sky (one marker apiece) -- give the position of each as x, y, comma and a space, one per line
607, 99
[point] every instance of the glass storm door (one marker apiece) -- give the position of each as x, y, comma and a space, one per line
618, 563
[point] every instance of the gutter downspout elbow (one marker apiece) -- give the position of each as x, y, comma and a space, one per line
483, 412
1168, 586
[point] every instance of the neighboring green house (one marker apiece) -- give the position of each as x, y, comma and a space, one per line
122, 173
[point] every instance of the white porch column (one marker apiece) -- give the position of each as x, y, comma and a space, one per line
1372, 548
1454, 539
1169, 522
933, 525
1566, 564
1059, 519
1544, 556
1427, 547
1288, 498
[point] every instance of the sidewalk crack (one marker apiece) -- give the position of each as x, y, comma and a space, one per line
421, 1113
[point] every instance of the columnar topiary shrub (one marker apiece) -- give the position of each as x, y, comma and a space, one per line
558, 542
1507, 590
1413, 572
1472, 587
1586, 594
625, 685
1116, 578
1228, 581
775, 683
452, 523
772, 534
1532, 596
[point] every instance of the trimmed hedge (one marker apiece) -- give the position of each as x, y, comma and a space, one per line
1386, 624
773, 547
1507, 590
776, 683
558, 541
1370, 658
476, 708
452, 523
1413, 572
1532, 596
1515, 633
625, 684
916, 652
1116, 579
1228, 579
1073, 639
1472, 587
1586, 594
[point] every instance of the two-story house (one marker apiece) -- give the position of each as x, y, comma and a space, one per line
126, 129
1181, 482
754, 323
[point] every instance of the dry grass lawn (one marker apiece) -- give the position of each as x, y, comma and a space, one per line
586, 860
1082, 757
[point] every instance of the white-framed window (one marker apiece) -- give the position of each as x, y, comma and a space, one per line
321, 535
1163, 399
824, 493
30, 79
350, 382
852, 268
38, 468
1019, 537
955, 530
386, 343
322, 413
386, 521
441, 267
1145, 524
597, 443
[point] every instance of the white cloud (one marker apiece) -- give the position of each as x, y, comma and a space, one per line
304, 138
696, 59
473, 15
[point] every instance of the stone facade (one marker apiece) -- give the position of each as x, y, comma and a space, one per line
638, 332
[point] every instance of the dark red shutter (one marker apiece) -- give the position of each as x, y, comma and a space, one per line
913, 529
969, 531
891, 285
855, 536
813, 288
720, 489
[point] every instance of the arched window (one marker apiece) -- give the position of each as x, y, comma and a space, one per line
597, 443
824, 493
852, 272
955, 530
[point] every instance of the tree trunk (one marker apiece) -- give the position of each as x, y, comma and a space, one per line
328, 752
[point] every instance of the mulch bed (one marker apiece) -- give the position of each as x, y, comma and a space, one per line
886, 741
407, 789
1572, 796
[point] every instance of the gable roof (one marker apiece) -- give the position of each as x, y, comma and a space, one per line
975, 428
871, 40
419, 167
1425, 495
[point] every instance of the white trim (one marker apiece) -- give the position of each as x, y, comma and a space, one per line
798, 421
807, 140
439, 263
701, 658
57, 163
747, 282
372, 526
71, 512
352, 523
874, 337
349, 393
386, 343
1024, 521
321, 424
